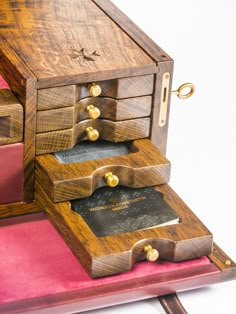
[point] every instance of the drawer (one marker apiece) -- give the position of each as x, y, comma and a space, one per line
66, 96
106, 130
11, 118
143, 165
112, 109
116, 253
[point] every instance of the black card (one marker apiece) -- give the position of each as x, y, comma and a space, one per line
118, 210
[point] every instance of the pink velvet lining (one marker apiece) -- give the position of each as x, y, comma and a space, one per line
12, 168
36, 262
12, 173
3, 83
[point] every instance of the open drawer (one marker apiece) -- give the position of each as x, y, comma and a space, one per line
141, 164
11, 118
115, 253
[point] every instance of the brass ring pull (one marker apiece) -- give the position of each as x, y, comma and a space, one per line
181, 93
111, 179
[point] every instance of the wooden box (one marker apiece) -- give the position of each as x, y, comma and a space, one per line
85, 72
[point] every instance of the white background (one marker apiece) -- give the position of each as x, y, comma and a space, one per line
200, 36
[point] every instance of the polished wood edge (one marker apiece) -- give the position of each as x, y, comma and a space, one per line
159, 133
133, 31
29, 139
16, 62
18, 209
95, 76
223, 262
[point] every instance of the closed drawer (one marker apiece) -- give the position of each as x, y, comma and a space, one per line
144, 165
112, 109
107, 130
66, 96
11, 118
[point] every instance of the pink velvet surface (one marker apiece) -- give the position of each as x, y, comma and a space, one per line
12, 173
3, 83
36, 262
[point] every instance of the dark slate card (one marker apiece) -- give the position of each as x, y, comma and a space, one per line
118, 210
84, 151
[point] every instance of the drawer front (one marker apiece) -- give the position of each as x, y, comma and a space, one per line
11, 118
67, 96
112, 109
143, 166
108, 130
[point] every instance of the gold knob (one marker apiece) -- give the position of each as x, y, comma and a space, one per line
93, 112
111, 179
151, 254
180, 91
92, 133
94, 90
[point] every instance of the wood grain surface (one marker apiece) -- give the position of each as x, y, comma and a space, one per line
22, 82
17, 209
53, 41
108, 130
11, 118
65, 96
117, 253
144, 166
159, 133
111, 109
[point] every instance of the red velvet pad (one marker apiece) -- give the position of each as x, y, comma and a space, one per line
12, 172
36, 262
12, 168
3, 83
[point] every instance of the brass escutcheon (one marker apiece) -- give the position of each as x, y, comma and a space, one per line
151, 254
92, 133
94, 90
93, 112
180, 91
111, 179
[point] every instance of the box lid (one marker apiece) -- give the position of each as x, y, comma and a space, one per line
59, 38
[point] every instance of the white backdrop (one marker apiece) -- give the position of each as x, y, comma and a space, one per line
201, 38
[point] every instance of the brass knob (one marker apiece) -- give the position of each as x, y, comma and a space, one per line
93, 112
151, 254
180, 91
92, 133
94, 90
111, 179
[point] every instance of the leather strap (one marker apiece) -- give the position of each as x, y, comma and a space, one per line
171, 304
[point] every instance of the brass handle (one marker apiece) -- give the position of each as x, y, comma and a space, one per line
92, 133
93, 112
111, 179
151, 254
94, 90
181, 91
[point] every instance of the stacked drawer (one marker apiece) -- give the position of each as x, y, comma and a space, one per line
70, 114
117, 110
